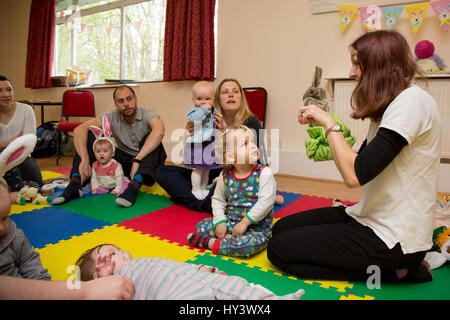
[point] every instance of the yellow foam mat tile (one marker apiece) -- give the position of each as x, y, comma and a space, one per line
355, 297
155, 189
50, 175
17, 208
340, 286
59, 258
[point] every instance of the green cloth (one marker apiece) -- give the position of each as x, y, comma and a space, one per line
317, 147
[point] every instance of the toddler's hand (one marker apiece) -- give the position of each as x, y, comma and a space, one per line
210, 269
221, 230
94, 191
241, 227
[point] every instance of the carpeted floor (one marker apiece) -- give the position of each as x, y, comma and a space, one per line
155, 226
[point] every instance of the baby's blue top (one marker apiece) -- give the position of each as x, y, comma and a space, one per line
203, 120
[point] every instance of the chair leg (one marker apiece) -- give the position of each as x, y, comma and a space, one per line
58, 146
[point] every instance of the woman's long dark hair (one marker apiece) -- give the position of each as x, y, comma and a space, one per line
387, 68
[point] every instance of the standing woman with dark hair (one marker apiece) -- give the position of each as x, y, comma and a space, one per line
397, 166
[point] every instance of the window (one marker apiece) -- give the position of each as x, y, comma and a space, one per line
114, 39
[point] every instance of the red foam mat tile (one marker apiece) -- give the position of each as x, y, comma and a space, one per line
173, 223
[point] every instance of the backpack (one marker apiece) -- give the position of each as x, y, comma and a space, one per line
47, 134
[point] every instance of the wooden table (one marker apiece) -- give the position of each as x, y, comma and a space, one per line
41, 103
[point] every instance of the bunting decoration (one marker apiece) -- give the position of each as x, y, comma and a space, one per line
347, 14
416, 14
371, 16
442, 10
391, 15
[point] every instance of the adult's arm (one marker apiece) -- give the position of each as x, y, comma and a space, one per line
153, 140
356, 168
29, 121
378, 154
80, 141
113, 287
25, 124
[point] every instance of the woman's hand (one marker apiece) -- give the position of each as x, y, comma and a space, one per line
190, 128
134, 170
219, 121
85, 170
316, 116
111, 287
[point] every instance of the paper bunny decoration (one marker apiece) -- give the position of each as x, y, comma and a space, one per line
16, 152
103, 134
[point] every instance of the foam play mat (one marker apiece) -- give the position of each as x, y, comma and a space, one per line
155, 226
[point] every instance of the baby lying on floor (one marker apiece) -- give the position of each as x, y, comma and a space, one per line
164, 279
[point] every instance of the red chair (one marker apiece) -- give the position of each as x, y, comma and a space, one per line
76, 103
257, 102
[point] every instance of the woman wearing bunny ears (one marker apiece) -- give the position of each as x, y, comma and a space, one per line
138, 133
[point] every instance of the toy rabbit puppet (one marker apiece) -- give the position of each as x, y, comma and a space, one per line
315, 94
103, 134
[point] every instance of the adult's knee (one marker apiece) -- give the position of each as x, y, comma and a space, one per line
275, 254
160, 174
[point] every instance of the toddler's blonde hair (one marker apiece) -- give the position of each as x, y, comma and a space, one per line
222, 147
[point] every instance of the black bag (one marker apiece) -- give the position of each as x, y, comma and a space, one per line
47, 134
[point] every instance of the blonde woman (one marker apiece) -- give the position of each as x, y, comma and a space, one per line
233, 110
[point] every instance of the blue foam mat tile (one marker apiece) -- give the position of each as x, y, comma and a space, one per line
50, 225
288, 199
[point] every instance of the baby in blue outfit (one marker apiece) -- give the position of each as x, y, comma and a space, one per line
199, 151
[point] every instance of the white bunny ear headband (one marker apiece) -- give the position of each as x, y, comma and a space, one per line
16, 152
103, 134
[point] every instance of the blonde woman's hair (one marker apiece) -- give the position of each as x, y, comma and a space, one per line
244, 111
222, 146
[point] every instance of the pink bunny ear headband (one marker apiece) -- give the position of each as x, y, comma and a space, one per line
104, 134
16, 151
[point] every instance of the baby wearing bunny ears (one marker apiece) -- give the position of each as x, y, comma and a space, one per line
107, 173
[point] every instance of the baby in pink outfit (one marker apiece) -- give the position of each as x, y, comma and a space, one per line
107, 173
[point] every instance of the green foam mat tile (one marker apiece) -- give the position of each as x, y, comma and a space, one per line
103, 207
438, 289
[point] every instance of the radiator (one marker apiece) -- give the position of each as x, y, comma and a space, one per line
438, 88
